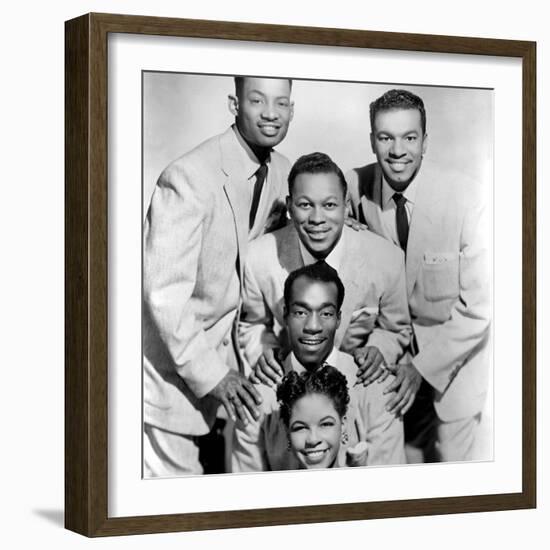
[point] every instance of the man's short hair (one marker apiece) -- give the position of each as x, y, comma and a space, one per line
398, 100
319, 272
315, 163
239, 84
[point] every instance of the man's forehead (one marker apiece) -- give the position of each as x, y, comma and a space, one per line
403, 115
313, 292
261, 85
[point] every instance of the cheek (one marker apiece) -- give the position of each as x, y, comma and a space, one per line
297, 440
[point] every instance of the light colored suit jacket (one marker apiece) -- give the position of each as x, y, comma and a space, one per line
195, 242
374, 311
262, 444
448, 280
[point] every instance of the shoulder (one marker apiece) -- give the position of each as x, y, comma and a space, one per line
452, 186
279, 160
361, 180
346, 365
268, 247
369, 246
195, 167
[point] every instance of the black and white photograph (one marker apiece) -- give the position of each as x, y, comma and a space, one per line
317, 274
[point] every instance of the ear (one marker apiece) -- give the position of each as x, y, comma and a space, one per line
288, 203
285, 312
425, 144
291, 110
372, 143
338, 318
233, 104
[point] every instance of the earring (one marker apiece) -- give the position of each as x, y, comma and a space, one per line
345, 438
288, 445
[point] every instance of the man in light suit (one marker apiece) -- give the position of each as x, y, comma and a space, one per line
205, 208
313, 298
375, 323
439, 219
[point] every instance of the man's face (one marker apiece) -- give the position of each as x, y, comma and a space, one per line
317, 207
263, 111
312, 319
398, 142
314, 431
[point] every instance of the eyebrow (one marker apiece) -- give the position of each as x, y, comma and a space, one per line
308, 307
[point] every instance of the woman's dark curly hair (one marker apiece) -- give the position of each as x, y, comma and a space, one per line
325, 381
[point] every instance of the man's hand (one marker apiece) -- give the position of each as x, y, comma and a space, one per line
239, 397
268, 369
354, 224
371, 365
406, 384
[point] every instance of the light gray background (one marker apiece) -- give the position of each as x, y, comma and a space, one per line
182, 110
32, 230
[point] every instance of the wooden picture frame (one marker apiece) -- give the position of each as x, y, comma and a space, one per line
86, 278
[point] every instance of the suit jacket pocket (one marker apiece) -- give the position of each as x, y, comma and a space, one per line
440, 276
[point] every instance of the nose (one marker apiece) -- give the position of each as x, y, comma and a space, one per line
312, 439
316, 215
397, 149
312, 325
270, 111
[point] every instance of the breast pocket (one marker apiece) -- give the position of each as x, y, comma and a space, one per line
440, 276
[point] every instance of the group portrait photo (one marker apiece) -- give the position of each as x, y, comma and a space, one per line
317, 274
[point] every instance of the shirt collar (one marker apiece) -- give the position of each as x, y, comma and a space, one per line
388, 192
334, 259
296, 366
250, 160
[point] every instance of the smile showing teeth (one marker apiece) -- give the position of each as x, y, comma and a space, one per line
315, 455
312, 341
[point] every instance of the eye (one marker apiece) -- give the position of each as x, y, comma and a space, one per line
304, 205
330, 205
327, 314
299, 313
327, 424
411, 138
296, 429
383, 139
283, 104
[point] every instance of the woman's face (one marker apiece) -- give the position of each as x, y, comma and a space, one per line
315, 430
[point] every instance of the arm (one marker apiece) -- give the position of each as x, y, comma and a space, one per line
392, 332
248, 453
445, 347
172, 243
384, 432
256, 333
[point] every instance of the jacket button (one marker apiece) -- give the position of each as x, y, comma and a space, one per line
225, 341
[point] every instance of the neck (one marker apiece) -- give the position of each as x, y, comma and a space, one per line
262, 153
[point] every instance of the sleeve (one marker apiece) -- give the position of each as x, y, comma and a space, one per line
353, 194
444, 348
173, 235
256, 322
248, 453
392, 332
384, 433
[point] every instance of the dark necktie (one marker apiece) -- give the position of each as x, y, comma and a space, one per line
261, 174
401, 220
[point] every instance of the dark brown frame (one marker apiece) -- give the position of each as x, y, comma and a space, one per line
86, 274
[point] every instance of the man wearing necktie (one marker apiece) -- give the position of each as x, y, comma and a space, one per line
439, 219
206, 207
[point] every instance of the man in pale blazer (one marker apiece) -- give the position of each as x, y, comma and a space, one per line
439, 218
374, 315
205, 208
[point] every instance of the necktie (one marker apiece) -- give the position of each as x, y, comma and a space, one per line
261, 174
401, 220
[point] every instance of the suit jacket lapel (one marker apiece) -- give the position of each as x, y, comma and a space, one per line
419, 230
374, 206
352, 269
235, 190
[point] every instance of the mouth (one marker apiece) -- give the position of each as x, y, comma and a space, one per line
317, 234
316, 456
270, 129
398, 165
312, 342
